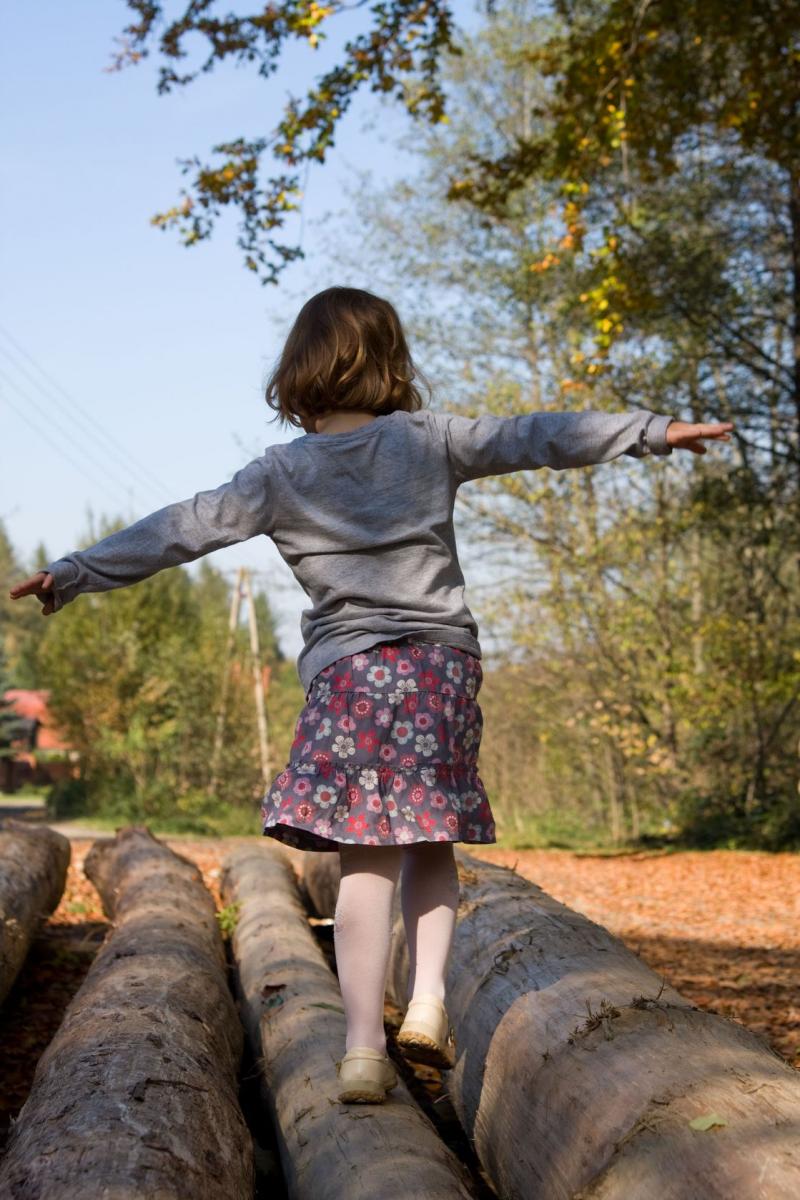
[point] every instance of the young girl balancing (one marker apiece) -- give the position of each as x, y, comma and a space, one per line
384, 763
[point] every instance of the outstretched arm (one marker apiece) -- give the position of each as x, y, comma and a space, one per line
179, 533
490, 445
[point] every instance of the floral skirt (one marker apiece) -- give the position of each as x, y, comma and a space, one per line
385, 753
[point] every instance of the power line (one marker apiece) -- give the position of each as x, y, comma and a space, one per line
61, 409
43, 433
60, 429
116, 447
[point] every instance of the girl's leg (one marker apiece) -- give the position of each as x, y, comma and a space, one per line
429, 895
361, 932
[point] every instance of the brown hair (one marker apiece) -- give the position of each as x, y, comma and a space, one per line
346, 350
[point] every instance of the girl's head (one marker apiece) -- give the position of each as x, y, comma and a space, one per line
346, 350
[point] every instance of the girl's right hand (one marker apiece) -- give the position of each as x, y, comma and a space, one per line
39, 585
684, 436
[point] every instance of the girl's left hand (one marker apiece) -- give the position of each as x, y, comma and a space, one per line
684, 436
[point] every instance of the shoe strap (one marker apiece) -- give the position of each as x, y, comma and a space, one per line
364, 1052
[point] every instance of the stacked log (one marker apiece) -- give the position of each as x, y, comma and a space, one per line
292, 1011
33, 871
581, 1074
136, 1096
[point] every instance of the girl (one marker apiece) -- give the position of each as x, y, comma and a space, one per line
384, 764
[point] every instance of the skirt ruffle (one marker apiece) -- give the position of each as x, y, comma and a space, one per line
311, 808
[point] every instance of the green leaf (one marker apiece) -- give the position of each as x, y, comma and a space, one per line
706, 1121
322, 1004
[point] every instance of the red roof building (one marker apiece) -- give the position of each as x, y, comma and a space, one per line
41, 754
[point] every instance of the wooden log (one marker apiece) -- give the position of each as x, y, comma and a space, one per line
320, 882
292, 1010
579, 1071
136, 1096
33, 871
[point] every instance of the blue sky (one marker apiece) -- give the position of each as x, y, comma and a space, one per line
111, 328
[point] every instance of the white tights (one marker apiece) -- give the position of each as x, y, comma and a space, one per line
363, 921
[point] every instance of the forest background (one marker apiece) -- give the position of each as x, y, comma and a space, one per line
605, 214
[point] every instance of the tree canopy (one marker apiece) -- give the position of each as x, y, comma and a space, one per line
628, 79
397, 54
648, 617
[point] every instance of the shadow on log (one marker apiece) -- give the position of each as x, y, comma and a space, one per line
136, 1096
579, 1072
292, 1010
33, 871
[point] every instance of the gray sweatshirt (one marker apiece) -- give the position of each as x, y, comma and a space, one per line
364, 519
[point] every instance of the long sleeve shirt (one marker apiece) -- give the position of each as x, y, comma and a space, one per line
364, 519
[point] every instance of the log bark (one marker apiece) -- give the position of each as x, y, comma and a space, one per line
33, 871
136, 1096
292, 1010
579, 1070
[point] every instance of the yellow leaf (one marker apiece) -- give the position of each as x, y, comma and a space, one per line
707, 1121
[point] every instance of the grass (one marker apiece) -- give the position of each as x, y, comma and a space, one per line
29, 796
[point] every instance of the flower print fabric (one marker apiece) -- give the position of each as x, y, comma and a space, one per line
385, 753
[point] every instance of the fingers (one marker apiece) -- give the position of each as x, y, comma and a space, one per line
684, 436
719, 432
28, 586
38, 584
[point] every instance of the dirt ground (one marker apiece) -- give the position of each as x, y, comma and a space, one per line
722, 926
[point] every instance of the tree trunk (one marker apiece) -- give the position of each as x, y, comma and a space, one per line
794, 224
578, 1073
33, 871
136, 1096
292, 1010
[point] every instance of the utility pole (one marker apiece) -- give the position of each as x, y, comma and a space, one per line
258, 679
242, 588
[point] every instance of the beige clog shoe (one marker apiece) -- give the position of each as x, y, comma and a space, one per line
365, 1076
426, 1034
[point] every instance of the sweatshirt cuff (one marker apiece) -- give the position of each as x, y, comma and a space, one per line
656, 434
64, 573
